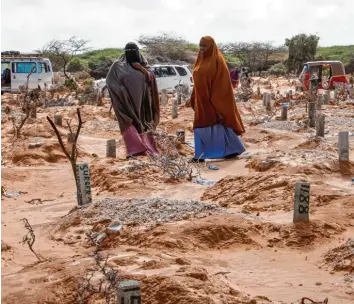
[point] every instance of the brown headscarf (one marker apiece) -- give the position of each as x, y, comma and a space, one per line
213, 99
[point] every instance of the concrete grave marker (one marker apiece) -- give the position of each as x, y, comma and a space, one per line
83, 180
301, 202
174, 109
111, 148
284, 112
320, 125
163, 97
129, 292
58, 120
312, 114
343, 146
71, 137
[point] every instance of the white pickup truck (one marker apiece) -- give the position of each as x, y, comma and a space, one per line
168, 77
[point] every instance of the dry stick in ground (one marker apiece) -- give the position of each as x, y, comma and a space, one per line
169, 160
38, 201
30, 238
72, 157
26, 107
107, 285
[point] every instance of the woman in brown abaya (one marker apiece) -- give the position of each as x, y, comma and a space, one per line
217, 122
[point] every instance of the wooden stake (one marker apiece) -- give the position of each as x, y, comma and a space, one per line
343, 146
174, 109
58, 120
320, 125
163, 97
301, 202
312, 114
111, 148
258, 91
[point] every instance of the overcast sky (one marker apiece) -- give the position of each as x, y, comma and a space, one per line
27, 25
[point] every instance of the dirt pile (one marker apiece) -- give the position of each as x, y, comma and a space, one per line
193, 285
116, 176
341, 258
45, 152
255, 191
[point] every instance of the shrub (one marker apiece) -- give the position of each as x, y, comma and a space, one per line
277, 69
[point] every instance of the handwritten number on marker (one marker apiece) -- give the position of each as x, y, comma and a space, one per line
304, 199
303, 209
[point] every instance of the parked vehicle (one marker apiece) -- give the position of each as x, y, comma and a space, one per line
327, 72
15, 67
168, 77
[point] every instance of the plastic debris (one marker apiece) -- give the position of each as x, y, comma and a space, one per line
212, 167
203, 181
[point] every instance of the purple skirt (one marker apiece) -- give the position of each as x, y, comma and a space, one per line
139, 143
216, 142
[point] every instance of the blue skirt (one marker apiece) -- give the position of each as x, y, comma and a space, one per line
216, 142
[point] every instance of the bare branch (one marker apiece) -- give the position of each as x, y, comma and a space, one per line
30, 238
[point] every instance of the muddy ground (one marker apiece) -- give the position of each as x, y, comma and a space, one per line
229, 242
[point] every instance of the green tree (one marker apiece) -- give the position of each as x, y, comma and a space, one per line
165, 48
302, 48
254, 55
77, 65
62, 52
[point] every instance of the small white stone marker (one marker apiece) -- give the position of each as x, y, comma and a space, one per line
111, 148
343, 146
163, 97
326, 98
301, 202
83, 180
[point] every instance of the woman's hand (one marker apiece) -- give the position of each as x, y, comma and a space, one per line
139, 67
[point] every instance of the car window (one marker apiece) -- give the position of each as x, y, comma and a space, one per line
41, 67
181, 71
168, 71
157, 72
25, 67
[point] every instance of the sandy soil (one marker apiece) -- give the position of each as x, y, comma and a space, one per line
242, 247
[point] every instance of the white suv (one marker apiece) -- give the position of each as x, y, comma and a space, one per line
169, 77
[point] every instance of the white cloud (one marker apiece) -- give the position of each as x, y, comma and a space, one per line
29, 24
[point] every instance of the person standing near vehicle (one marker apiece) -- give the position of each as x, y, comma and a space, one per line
234, 74
133, 90
217, 122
